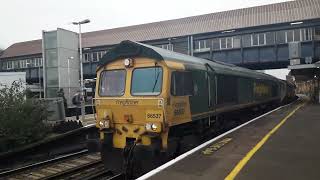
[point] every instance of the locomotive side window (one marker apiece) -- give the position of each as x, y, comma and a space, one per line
181, 84
227, 89
112, 83
146, 81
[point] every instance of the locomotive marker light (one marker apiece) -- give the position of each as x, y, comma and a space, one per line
128, 62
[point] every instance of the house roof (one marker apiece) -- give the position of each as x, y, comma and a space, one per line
23, 48
290, 11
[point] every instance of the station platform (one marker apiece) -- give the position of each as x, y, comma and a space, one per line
281, 145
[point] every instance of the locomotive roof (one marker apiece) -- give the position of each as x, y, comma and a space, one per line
130, 49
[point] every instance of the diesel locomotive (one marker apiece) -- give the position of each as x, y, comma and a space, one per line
148, 98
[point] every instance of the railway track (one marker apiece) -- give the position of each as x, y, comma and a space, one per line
81, 165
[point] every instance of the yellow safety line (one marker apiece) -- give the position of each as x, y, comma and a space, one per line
249, 155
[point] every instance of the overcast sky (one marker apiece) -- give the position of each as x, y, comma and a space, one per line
23, 20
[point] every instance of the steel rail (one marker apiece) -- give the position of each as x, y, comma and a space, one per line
72, 171
35, 165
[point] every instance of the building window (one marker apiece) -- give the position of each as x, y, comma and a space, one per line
23, 63
223, 43
4, 65
289, 36
167, 47
202, 45
226, 43
94, 56
296, 35
246, 40
270, 37
262, 39
293, 35
281, 37
30, 63
258, 39
229, 42
216, 44
10, 64
317, 33
15, 64
86, 57
37, 62
306, 34
101, 54
236, 42
254, 39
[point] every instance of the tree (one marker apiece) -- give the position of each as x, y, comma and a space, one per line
21, 118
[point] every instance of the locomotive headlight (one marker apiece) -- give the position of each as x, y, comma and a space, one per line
148, 126
101, 123
152, 127
104, 124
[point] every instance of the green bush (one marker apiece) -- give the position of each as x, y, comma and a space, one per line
21, 118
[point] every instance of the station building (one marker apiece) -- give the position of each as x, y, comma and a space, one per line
256, 37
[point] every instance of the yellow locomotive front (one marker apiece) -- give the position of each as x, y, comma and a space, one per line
130, 101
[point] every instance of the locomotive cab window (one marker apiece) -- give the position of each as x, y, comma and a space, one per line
112, 83
181, 84
146, 81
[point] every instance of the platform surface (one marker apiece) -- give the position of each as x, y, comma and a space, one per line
292, 152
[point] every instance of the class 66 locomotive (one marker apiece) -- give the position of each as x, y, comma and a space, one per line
148, 98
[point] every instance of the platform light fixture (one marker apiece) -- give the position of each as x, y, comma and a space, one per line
296, 23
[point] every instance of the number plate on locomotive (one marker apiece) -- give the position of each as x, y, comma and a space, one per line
152, 115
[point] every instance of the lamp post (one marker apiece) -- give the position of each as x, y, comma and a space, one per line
81, 67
